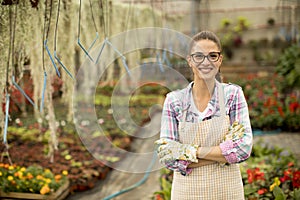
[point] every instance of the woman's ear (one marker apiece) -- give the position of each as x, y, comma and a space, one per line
221, 58
188, 59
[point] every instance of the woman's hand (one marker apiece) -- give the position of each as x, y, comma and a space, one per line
170, 150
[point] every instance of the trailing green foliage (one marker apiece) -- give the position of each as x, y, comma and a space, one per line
289, 66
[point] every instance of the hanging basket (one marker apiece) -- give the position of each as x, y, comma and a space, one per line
60, 194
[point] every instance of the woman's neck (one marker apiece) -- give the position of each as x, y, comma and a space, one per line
203, 88
202, 92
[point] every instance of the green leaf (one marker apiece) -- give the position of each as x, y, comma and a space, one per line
249, 190
296, 194
278, 193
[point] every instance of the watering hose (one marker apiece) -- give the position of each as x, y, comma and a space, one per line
262, 132
137, 184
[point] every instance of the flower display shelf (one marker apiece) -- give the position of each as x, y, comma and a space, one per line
59, 194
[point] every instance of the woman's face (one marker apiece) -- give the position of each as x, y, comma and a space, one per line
205, 59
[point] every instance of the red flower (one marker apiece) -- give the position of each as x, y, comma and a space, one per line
250, 176
280, 110
296, 179
158, 197
262, 191
255, 174
293, 106
287, 176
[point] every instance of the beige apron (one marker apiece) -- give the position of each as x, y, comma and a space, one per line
210, 182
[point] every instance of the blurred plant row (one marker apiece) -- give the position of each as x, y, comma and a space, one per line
270, 173
271, 105
274, 102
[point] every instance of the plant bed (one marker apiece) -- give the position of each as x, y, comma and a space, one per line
59, 194
72, 157
33, 182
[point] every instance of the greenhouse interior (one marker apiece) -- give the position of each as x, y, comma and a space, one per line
91, 88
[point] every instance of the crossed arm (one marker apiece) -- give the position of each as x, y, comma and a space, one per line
213, 155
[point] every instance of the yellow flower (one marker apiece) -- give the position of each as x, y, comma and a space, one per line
45, 189
272, 187
276, 183
10, 178
23, 169
19, 174
48, 180
0, 173
47, 170
65, 172
11, 167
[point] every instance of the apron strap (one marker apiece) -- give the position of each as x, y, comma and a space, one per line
221, 99
184, 114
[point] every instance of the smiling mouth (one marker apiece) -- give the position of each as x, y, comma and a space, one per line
206, 69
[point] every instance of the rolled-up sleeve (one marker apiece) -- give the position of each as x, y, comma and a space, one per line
171, 114
239, 150
169, 120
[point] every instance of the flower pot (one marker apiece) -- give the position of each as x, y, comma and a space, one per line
59, 194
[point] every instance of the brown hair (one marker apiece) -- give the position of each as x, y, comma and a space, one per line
205, 35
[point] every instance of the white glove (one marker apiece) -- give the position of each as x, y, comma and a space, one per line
235, 132
170, 150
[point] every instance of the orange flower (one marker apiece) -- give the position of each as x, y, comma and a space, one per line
45, 189
57, 177
39, 177
13, 182
158, 197
29, 176
291, 164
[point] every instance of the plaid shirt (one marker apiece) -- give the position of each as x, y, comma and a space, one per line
235, 106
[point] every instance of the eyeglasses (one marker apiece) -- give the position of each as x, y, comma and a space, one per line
199, 57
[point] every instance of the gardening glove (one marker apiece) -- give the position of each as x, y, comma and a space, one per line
170, 150
235, 132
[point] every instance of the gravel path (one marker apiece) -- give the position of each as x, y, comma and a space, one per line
119, 180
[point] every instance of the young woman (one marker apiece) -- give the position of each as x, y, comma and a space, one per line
205, 129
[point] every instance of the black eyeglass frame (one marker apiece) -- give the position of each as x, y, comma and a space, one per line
205, 56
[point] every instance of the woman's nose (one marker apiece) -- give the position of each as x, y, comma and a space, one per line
206, 61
